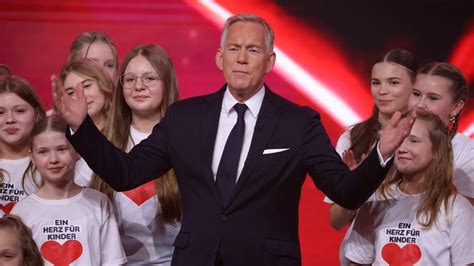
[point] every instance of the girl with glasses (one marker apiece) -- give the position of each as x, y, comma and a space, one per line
148, 216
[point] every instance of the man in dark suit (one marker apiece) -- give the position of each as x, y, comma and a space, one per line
239, 167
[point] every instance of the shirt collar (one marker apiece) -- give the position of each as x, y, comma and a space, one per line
253, 104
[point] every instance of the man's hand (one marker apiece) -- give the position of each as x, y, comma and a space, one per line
72, 106
395, 132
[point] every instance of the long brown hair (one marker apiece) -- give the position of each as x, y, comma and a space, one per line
366, 133
30, 252
23, 89
436, 178
120, 120
89, 68
458, 89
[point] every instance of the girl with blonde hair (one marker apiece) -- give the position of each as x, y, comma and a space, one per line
417, 217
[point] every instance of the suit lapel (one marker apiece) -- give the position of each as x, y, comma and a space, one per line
266, 122
210, 121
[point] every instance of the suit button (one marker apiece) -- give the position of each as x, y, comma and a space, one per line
223, 217
214, 252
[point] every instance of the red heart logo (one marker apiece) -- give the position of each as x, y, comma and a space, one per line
61, 255
7, 208
141, 193
396, 256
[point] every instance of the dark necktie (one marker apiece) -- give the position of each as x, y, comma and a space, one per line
227, 171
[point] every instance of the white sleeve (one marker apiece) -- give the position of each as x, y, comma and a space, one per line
327, 200
82, 173
344, 142
461, 234
360, 247
463, 177
111, 246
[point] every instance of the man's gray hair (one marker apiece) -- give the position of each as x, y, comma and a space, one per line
269, 35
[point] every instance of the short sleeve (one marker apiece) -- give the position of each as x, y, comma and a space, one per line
344, 142
462, 233
360, 246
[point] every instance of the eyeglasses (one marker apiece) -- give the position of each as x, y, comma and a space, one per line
148, 79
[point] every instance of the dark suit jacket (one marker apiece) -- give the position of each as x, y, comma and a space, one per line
259, 226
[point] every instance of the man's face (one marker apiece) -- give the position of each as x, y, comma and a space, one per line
245, 59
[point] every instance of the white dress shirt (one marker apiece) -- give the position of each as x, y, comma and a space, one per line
227, 120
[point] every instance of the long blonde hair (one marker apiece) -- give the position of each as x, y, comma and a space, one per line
436, 178
89, 68
120, 120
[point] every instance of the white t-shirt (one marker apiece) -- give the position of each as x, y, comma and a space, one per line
387, 233
80, 230
146, 237
82, 173
463, 151
463, 178
11, 189
344, 141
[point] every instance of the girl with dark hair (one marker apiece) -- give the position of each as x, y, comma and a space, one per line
392, 80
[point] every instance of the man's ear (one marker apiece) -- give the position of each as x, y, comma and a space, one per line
219, 59
270, 62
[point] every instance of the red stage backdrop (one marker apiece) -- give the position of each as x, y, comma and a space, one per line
324, 54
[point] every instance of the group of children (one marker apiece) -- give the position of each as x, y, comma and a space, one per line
418, 216
73, 216
422, 213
